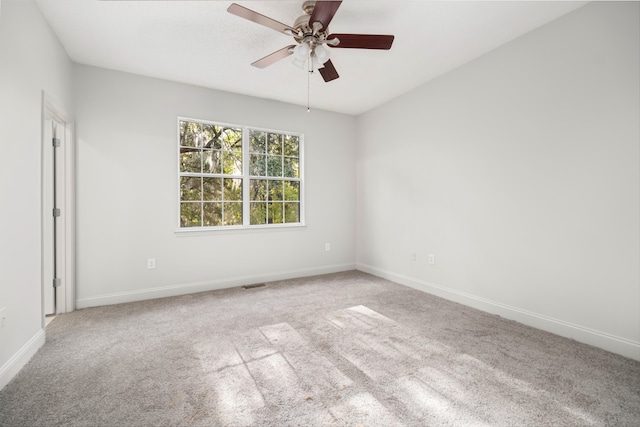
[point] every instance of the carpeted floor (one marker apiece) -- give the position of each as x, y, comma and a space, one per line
345, 349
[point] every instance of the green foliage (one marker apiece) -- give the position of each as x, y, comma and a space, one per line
257, 142
258, 213
211, 159
258, 189
212, 214
232, 213
291, 212
189, 133
190, 160
190, 188
190, 214
291, 190
232, 189
212, 188
275, 213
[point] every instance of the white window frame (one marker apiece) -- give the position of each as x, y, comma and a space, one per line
246, 203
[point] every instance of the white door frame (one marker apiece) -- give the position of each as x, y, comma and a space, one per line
65, 293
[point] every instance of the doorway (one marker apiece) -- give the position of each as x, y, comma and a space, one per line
58, 212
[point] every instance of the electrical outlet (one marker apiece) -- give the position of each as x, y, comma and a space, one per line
3, 318
151, 263
432, 259
327, 247
413, 256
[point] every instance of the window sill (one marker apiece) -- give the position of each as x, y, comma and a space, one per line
200, 231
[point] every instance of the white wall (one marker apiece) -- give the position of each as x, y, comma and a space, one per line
127, 192
31, 60
520, 172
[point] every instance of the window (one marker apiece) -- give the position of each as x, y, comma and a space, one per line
233, 176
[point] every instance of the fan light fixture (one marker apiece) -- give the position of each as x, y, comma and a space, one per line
311, 39
311, 53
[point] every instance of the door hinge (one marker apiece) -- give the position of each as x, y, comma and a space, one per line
57, 282
56, 212
55, 142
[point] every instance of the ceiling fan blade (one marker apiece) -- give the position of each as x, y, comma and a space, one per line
259, 18
323, 12
274, 57
362, 41
328, 72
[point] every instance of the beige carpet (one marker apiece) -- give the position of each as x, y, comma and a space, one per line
346, 349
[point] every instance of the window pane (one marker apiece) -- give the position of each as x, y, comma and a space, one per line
190, 214
232, 189
257, 142
291, 145
258, 190
232, 213
257, 165
212, 189
275, 190
291, 190
190, 188
274, 144
291, 167
258, 213
212, 214
232, 163
211, 136
212, 162
212, 176
291, 212
274, 165
190, 159
189, 132
275, 213
232, 139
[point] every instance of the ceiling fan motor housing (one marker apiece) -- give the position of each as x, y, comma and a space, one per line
306, 33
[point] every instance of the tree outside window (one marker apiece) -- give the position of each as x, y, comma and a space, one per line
213, 176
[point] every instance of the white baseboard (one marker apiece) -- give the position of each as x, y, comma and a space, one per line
17, 362
209, 285
603, 340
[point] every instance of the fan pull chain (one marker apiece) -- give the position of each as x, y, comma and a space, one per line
309, 71
308, 92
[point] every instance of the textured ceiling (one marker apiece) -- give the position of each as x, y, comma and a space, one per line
198, 42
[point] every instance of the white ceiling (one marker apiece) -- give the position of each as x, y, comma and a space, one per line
198, 42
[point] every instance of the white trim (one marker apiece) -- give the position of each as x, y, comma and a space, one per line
66, 297
199, 231
70, 216
209, 285
609, 342
245, 177
20, 359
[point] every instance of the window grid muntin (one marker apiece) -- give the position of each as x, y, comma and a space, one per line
246, 177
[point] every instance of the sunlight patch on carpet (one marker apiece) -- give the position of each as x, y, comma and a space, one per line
364, 409
238, 398
277, 380
313, 369
425, 402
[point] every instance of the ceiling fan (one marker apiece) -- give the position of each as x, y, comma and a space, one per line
311, 33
